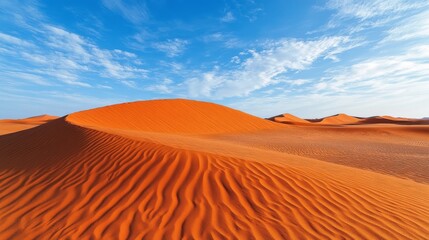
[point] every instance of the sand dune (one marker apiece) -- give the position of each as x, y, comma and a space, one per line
289, 119
338, 119
394, 120
396, 150
344, 119
14, 125
31, 120
137, 170
184, 116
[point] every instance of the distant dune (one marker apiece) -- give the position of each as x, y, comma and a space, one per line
182, 169
344, 119
394, 120
14, 125
289, 119
338, 119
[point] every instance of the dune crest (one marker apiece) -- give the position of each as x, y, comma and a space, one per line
339, 119
76, 177
172, 116
289, 119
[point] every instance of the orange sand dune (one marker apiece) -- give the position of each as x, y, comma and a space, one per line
397, 150
184, 116
289, 119
14, 125
394, 120
344, 119
338, 119
135, 176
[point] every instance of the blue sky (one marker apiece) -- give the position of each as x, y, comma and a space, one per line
309, 58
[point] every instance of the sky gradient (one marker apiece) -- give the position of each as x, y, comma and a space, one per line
308, 58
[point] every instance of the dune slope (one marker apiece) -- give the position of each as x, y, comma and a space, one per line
64, 180
183, 116
14, 125
289, 118
394, 120
339, 119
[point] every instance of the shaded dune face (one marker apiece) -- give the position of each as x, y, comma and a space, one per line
65, 180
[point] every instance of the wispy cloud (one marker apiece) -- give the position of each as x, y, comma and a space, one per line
66, 56
32, 78
23, 13
214, 37
5, 38
165, 86
358, 15
228, 40
76, 52
363, 9
262, 67
416, 26
390, 73
228, 17
388, 85
171, 47
135, 12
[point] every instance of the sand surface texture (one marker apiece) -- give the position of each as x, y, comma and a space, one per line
182, 169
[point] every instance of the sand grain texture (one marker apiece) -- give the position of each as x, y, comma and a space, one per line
161, 170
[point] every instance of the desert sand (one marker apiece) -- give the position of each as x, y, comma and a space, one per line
15, 125
289, 119
338, 119
183, 169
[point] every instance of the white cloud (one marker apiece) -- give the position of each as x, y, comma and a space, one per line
390, 85
163, 87
262, 67
136, 12
13, 75
124, 53
405, 104
228, 17
363, 9
333, 53
171, 47
353, 16
235, 59
78, 51
103, 86
214, 37
416, 26
298, 82
397, 73
228, 40
14, 40
24, 13
65, 56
